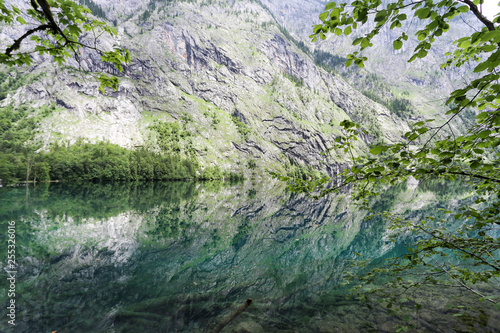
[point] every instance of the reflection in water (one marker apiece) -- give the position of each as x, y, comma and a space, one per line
180, 257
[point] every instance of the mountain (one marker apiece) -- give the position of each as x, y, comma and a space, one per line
246, 93
387, 75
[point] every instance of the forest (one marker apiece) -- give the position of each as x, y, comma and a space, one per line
22, 158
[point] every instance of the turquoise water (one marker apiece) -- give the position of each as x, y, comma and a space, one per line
182, 256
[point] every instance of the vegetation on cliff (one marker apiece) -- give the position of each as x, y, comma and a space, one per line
23, 159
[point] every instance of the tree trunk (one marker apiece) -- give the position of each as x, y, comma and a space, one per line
27, 171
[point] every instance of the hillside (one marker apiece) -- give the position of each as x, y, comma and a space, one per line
243, 93
387, 75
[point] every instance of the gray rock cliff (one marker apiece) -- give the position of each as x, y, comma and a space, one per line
199, 64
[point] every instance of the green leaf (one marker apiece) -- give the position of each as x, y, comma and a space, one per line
422, 130
464, 44
481, 67
330, 5
397, 44
335, 14
421, 36
475, 165
422, 54
423, 13
487, 36
489, 48
21, 20
463, 9
381, 16
74, 30
484, 134
413, 137
375, 150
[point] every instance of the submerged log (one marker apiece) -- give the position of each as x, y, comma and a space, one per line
233, 315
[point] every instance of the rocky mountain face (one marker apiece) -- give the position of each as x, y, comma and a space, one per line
226, 71
422, 81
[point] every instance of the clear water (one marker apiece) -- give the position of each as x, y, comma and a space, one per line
181, 257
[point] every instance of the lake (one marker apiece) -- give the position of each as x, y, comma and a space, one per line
183, 256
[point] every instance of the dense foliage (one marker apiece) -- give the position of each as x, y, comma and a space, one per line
17, 148
94, 162
94, 8
59, 33
398, 105
12, 80
462, 249
22, 159
241, 127
104, 161
110, 162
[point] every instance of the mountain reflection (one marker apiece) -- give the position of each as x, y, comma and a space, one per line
181, 256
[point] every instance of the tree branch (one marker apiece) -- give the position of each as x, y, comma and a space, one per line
463, 284
474, 176
17, 42
479, 15
455, 246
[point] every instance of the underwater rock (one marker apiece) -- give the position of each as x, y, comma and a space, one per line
248, 327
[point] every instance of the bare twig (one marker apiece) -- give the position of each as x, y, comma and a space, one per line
463, 284
479, 15
460, 248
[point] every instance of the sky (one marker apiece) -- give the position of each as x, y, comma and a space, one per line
490, 8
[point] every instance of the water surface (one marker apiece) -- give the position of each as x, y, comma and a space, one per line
182, 256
